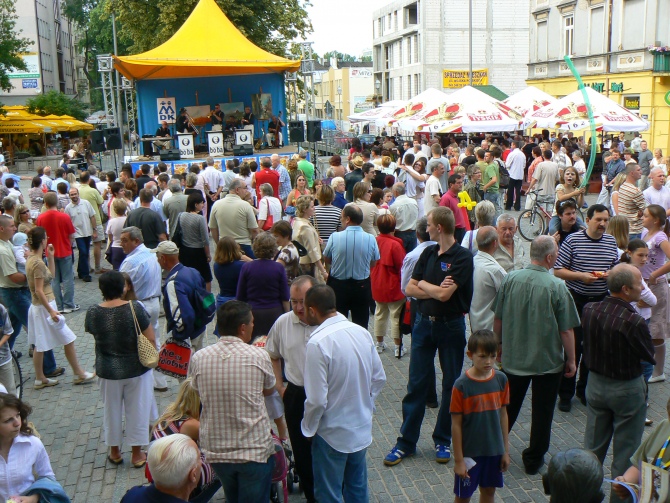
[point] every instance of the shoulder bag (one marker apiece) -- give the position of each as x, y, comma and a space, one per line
270, 220
146, 351
178, 236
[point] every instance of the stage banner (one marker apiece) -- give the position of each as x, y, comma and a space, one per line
455, 79
215, 143
167, 110
186, 150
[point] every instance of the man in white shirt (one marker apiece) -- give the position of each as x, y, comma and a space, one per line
212, 177
83, 218
418, 151
488, 277
287, 341
435, 160
406, 211
343, 377
658, 193
516, 165
433, 188
545, 176
559, 157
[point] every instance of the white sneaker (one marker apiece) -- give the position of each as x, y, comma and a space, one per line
381, 346
659, 378
399, 353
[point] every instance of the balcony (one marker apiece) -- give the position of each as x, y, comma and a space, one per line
662, 62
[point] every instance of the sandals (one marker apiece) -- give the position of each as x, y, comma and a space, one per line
140, 464
82, 379
115, 461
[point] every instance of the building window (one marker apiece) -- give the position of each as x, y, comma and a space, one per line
415, 49
597, 30
400, 53
409, 86
417, 83
541, 41
400, 95
568, 34
411, 15
395, 21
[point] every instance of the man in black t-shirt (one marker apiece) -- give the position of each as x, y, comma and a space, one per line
470, 157
443, 286
147, 220
567, 214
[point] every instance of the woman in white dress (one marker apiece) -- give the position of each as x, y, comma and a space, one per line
46, 327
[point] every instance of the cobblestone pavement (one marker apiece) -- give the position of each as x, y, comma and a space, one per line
69, 420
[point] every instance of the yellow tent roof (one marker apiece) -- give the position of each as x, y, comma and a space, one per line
19, 120
195, 51
20, 127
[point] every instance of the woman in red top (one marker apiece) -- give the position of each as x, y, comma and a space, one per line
385, 281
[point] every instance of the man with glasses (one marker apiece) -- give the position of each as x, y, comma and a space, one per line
233, 216
82, 215
287, 341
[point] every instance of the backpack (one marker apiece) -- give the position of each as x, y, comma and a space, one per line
204, 306
504, 173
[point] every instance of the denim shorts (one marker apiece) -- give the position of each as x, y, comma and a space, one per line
486, 473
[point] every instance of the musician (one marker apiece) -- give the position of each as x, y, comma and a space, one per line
247, 121
182, 122
231, 123
274, 127
162, 132
216, 116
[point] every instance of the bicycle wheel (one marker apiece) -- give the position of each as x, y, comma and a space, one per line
531, 224
580, 214
18, 376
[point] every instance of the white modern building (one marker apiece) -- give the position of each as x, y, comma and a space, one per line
419, 44
51, 58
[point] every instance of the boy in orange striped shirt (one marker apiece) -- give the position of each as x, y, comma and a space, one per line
479, 426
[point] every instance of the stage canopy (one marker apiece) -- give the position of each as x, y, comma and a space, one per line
196, 51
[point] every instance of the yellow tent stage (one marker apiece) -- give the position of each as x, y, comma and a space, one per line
194, 51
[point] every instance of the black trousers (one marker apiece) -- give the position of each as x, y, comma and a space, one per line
545, 389
294, 410
570, 386
432, 389
353, 296
514, 194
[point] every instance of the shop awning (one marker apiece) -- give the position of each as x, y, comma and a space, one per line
198, 51
19, 120
21, 127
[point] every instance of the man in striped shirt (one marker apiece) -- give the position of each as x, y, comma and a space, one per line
584, 260
631, 201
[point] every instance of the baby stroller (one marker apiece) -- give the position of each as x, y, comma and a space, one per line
283, 475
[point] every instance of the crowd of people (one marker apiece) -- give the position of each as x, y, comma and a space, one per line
295, 254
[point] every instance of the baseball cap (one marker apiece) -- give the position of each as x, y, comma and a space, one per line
166, 248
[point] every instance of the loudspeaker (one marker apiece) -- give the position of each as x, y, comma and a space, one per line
296, 131
170, 154
243, 150
97, 141
113, 138
313, 131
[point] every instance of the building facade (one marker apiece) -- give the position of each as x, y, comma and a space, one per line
51, 58
611, 45
419, 44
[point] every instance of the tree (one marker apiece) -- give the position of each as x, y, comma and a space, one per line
12, 46
270, 24
56, 103
347, 58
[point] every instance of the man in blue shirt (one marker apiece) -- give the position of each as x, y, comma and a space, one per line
352, 253
613, 165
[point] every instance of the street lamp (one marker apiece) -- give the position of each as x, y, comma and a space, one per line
339, 107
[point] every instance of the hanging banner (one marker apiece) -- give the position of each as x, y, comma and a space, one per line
186, 150
215, 143
167, 110
455, 79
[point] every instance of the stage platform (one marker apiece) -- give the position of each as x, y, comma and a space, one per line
183, 165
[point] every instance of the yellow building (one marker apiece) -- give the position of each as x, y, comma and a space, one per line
646, 93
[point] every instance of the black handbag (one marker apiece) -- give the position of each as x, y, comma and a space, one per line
178, 236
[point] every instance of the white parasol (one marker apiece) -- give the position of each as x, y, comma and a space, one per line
527, 101
570, 114
426, 100
383, 110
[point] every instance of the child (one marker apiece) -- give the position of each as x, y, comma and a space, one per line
479, 424
21, 251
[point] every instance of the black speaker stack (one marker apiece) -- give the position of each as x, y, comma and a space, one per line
97, 141
296, 131
113, 138
313, 131
170, 154
245, 149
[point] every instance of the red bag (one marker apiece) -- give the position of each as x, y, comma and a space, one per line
270, 220
174, 357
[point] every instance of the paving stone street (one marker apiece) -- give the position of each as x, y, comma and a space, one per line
69, 420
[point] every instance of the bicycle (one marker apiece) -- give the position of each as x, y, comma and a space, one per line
535, 221
18, 376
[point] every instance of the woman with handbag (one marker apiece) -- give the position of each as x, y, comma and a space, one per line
269, 208
305, 234
125, 353
300, 189
46, 327
194, 246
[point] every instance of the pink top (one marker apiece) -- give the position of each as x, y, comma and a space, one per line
656, 255
451, 201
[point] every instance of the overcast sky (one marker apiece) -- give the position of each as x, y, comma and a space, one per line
342, 25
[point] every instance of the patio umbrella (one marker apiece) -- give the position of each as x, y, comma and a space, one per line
570, 114
468, 110
383, 110
528, 100
428, 99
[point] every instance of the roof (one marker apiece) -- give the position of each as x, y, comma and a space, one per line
493, 92
196, 52
354, 64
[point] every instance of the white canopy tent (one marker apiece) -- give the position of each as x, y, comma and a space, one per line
527, 101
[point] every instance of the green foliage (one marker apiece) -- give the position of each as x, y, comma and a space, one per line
270, 24
11, 44
347, 58
56, 103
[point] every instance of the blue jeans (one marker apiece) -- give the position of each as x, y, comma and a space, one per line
246, 249
84, 247
494, 197
17, 301
246, 482
64, 276
447, 338
338, 474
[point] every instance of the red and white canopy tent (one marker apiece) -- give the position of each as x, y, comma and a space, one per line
427, 100
570, 114
468, 110
383, 110
528, 100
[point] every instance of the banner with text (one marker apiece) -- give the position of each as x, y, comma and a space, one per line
455, 79
167, 110
186, 150
215, 143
